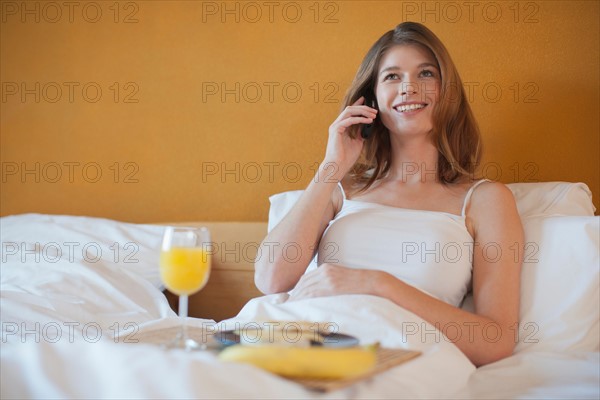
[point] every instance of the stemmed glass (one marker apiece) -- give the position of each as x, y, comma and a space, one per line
184, 269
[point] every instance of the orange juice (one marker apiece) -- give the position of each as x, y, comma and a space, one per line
184, 270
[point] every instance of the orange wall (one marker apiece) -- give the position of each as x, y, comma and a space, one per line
172, 145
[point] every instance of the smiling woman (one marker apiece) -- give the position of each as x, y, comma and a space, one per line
409, 181
414, 61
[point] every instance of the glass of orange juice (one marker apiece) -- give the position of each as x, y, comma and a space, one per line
184, 269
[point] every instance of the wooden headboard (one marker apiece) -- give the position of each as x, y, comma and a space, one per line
231, 282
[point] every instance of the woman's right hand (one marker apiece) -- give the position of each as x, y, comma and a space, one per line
305, 223
342, 150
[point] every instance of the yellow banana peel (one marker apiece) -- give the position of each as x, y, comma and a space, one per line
311, 362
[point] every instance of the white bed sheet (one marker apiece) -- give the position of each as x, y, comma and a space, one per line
82, 298
106, 369
537, 375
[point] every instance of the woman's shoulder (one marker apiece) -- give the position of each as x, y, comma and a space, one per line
491, 200
343, 190
485, 190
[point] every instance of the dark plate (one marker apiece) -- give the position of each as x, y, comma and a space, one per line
228, 338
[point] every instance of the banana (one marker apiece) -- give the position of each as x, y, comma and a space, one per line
312, 362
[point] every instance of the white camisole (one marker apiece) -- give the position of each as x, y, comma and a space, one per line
430, 250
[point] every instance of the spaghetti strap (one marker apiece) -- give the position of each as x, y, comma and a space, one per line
469, 193
342, 189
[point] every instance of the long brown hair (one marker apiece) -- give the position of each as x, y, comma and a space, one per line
455, 131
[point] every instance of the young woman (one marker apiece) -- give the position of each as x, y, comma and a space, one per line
398, 214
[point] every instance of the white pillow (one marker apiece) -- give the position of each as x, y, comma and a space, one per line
560, 284
281, 204
96, 241
552, 198
543, 198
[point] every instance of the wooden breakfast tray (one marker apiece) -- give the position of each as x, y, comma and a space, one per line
386, 359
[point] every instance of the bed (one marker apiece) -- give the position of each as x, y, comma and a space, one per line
82, 306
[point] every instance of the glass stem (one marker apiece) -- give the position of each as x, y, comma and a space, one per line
183, 310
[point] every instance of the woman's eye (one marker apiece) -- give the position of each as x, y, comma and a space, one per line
427, 73
391, 76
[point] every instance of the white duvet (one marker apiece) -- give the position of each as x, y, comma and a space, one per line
106, 369
59, 321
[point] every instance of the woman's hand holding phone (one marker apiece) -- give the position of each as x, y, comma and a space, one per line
343, 150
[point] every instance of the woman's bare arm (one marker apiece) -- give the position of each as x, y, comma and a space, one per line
287, 250
301, 229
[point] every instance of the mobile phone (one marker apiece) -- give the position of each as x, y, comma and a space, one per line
366, 130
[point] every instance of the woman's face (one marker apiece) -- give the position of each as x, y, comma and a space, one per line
408, 86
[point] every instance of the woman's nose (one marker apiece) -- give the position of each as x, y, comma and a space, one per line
408, 88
